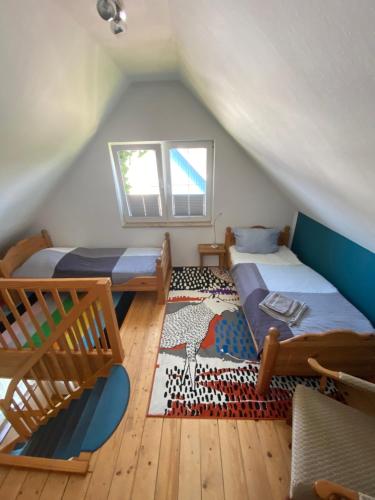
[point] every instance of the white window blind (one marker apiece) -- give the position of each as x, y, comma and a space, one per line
144, 205
189, 205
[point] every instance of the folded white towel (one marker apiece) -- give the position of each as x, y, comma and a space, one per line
275, 302
280, 303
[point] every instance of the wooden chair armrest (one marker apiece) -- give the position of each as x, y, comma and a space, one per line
326, 490
342, 377
315, 365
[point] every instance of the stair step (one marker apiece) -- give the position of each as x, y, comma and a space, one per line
73, 447
52, 433
38, 437
49, 464
44, 441
71, 419
109, 410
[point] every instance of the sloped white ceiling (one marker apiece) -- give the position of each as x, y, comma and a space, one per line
293, 81
148, 49
56, 85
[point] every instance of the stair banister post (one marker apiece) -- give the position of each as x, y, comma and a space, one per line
15, 421
110, 321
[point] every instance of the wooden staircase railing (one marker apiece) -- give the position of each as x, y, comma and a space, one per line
82, 343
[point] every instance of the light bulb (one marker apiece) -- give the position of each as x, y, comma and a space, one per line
122, 15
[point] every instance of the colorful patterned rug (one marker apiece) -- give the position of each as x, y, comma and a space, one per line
207, 363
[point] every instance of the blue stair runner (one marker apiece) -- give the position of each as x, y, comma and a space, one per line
86, 424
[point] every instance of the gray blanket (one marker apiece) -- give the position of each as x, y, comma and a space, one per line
327, 308
119, 264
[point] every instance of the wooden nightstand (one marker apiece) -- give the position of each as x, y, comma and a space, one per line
207, 249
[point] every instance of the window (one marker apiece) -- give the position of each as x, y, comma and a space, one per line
139, 173
164, 182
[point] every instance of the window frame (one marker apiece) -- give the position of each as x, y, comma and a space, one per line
162, 149
126, 216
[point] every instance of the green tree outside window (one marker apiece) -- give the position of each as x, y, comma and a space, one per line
125, 159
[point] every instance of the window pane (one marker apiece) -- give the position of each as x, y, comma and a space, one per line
140, 179
188, 181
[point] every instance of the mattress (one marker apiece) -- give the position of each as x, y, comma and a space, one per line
284, 256
327, 308
119, 264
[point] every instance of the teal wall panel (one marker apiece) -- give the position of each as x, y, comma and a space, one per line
348, 266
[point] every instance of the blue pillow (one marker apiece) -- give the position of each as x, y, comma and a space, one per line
256, 240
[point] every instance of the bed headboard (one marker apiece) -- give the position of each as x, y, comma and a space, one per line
283, 236
21, 251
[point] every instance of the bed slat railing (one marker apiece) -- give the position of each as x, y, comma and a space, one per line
74, 340
164, 269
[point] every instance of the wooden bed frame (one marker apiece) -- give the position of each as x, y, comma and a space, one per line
21, 251
342, 350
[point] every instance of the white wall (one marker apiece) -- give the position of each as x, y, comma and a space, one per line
83, 209
56, 84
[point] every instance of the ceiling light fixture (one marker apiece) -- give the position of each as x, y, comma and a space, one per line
113, 11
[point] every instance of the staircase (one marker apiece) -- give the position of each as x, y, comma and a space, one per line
85, 425
68, 390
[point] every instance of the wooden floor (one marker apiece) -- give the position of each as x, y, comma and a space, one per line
159, 458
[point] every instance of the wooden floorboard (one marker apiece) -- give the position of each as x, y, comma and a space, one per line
189, 477
148, 460
12, 484
235, 487
272, 455
33, 485
167, 480
4, 471
54, 487
254, 468
211, 465
167, 459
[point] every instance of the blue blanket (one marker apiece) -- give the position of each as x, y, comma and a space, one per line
327, 308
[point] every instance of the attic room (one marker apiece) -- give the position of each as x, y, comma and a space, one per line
187, 250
